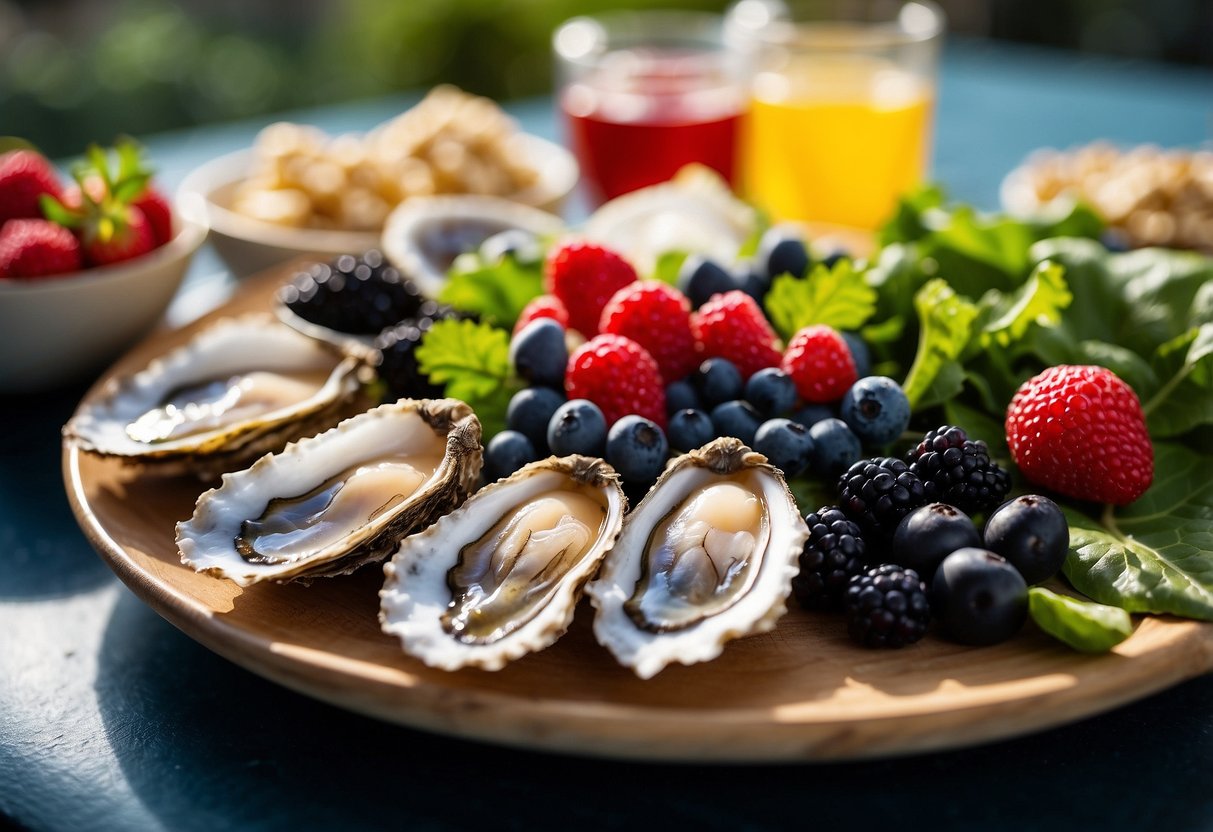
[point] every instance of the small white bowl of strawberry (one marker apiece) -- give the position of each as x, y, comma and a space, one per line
85, 268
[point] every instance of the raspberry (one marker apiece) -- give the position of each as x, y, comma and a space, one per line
37, 248
732, 326
1079, 430
619, 376
658, 317
877, 494
820, 363
958, 471
887, 606
584, 276
544, 306
833, 554
24, 177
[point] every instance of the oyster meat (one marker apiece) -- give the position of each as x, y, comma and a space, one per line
330, 503
707, 556
240, 388
501, 576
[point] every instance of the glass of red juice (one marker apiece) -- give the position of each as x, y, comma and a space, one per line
645, 93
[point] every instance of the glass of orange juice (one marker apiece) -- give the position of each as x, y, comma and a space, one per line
842, 100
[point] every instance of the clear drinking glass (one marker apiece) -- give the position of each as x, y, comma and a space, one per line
645, 93
842, 101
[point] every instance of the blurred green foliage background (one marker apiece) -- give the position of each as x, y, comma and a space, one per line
75, 71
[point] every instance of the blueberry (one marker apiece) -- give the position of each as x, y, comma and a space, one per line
506, 453
637, 449
753, 280
1031, 532
835, 447
771, 391
979, 597
539, 354
929, 534
717, 380
876, 409
700, 278
522, 245
577, 427
811, 414
736, 418
690, 429
831, 259
786, 444
681, 395
530, 411
782, 251
860, 353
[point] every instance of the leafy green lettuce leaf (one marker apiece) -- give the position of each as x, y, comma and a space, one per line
946, 321
1087, 627
1155, 555
473, 361
837, 297
1183, 398
496, 292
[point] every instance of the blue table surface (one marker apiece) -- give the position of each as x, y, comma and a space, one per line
112, 719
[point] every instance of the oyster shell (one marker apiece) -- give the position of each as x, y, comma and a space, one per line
240, 388
707, 556
330, 503
500, 577
424, 235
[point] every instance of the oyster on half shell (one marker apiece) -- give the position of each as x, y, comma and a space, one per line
330, 503
707, 556
501, 576
240, 388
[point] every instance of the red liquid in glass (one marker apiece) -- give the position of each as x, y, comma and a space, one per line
631, 134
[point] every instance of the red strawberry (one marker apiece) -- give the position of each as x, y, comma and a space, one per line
732, 326
619, 376
155, 206
584, 276
658, 317
820, 363
544, 306
37, 248
1079, 430
120, 236
25, 176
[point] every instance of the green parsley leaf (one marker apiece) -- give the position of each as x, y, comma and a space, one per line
838, 297
1086, 626
1039, 301
946, 324
497, 292
473, 361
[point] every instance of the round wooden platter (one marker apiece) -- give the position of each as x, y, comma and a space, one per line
801, 692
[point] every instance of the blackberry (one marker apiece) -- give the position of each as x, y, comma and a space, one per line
877, 493
887, 606
398, 359
359, 295
833, 554
958, 471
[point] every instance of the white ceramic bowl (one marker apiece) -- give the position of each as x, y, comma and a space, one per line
248, 246
59, 329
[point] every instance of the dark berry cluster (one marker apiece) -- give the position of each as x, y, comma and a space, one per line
397, 345
833, 554
958, 471
357, 295
887, 606
877, 493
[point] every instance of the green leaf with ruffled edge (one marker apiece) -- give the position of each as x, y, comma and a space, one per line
1039, 301
497, 292
1155, 555
473, 361
945, 327
837, 297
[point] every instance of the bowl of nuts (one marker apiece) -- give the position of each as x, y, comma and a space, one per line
1148, 196
300, 191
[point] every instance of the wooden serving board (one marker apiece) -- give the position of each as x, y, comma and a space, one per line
801, 692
